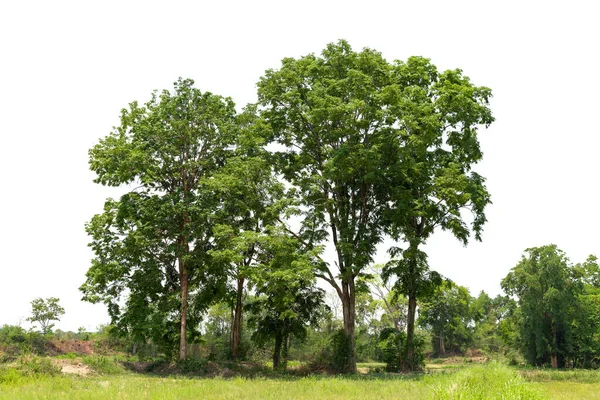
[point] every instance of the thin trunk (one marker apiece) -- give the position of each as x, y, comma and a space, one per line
184, 311
349, 310
442, 346
407, 363
277, 351
554, 355
237, 321
284, 352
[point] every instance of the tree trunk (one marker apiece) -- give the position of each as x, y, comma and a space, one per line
349, 310
554, 354
284, 352
277, 351
408, 360
184, 311
237, 321
442, 346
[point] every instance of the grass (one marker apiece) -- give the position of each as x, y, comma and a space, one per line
37, 378
492, 381
566, 384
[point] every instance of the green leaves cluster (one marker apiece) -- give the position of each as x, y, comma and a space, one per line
558, 315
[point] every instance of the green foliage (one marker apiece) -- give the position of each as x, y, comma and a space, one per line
192, 366
103, 364
341, 352
151, 245
390, 347
447, 313
331, 115
548, 289
44, 311
31, 366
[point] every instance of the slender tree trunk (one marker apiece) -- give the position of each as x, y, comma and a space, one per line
184, 311
277, 351
407, 363
284, 351
237, 321
349, 310
442, 346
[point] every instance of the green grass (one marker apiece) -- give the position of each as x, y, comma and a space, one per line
491, 381
566, 384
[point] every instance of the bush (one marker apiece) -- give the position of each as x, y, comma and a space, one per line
103, 365
391, 345
9, 376
341, 351
34, 366
192, 365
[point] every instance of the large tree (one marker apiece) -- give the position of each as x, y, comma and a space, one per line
447, 313
547, 287
330, 115
151, 245
287, 301
430, 179
251, 200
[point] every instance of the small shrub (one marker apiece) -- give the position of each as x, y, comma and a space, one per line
9, 376
341, 351
103, 365
192, 365
34, 366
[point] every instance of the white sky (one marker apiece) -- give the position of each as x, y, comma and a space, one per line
67, 68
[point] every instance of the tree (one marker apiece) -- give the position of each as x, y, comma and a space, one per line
430, 179
331, 116
547, 288
251, 201
447, 313
152, 244
44, 311
287, 301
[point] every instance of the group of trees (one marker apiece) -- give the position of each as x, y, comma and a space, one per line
342, 149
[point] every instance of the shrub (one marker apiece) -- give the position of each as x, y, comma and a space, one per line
103, 365
34, 366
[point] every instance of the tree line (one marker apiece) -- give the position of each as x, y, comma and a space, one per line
342, 149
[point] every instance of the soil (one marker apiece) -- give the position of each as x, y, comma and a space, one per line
75, 367
56, 347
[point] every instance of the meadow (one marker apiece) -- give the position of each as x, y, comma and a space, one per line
40, 379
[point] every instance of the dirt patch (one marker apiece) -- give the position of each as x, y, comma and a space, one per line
74, 367
56, 347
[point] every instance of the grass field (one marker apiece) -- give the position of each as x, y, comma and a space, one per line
489, 381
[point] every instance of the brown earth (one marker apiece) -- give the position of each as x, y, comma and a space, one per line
56, 347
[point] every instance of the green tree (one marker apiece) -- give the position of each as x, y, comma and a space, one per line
331, 115
547, 288
447, 313
44, 312
287, 301
251, 201
430, 179
152, 244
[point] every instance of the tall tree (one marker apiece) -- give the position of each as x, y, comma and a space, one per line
287, 300
430, 176
330, 115
154, 240
547, 287
447, 313
251, 201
